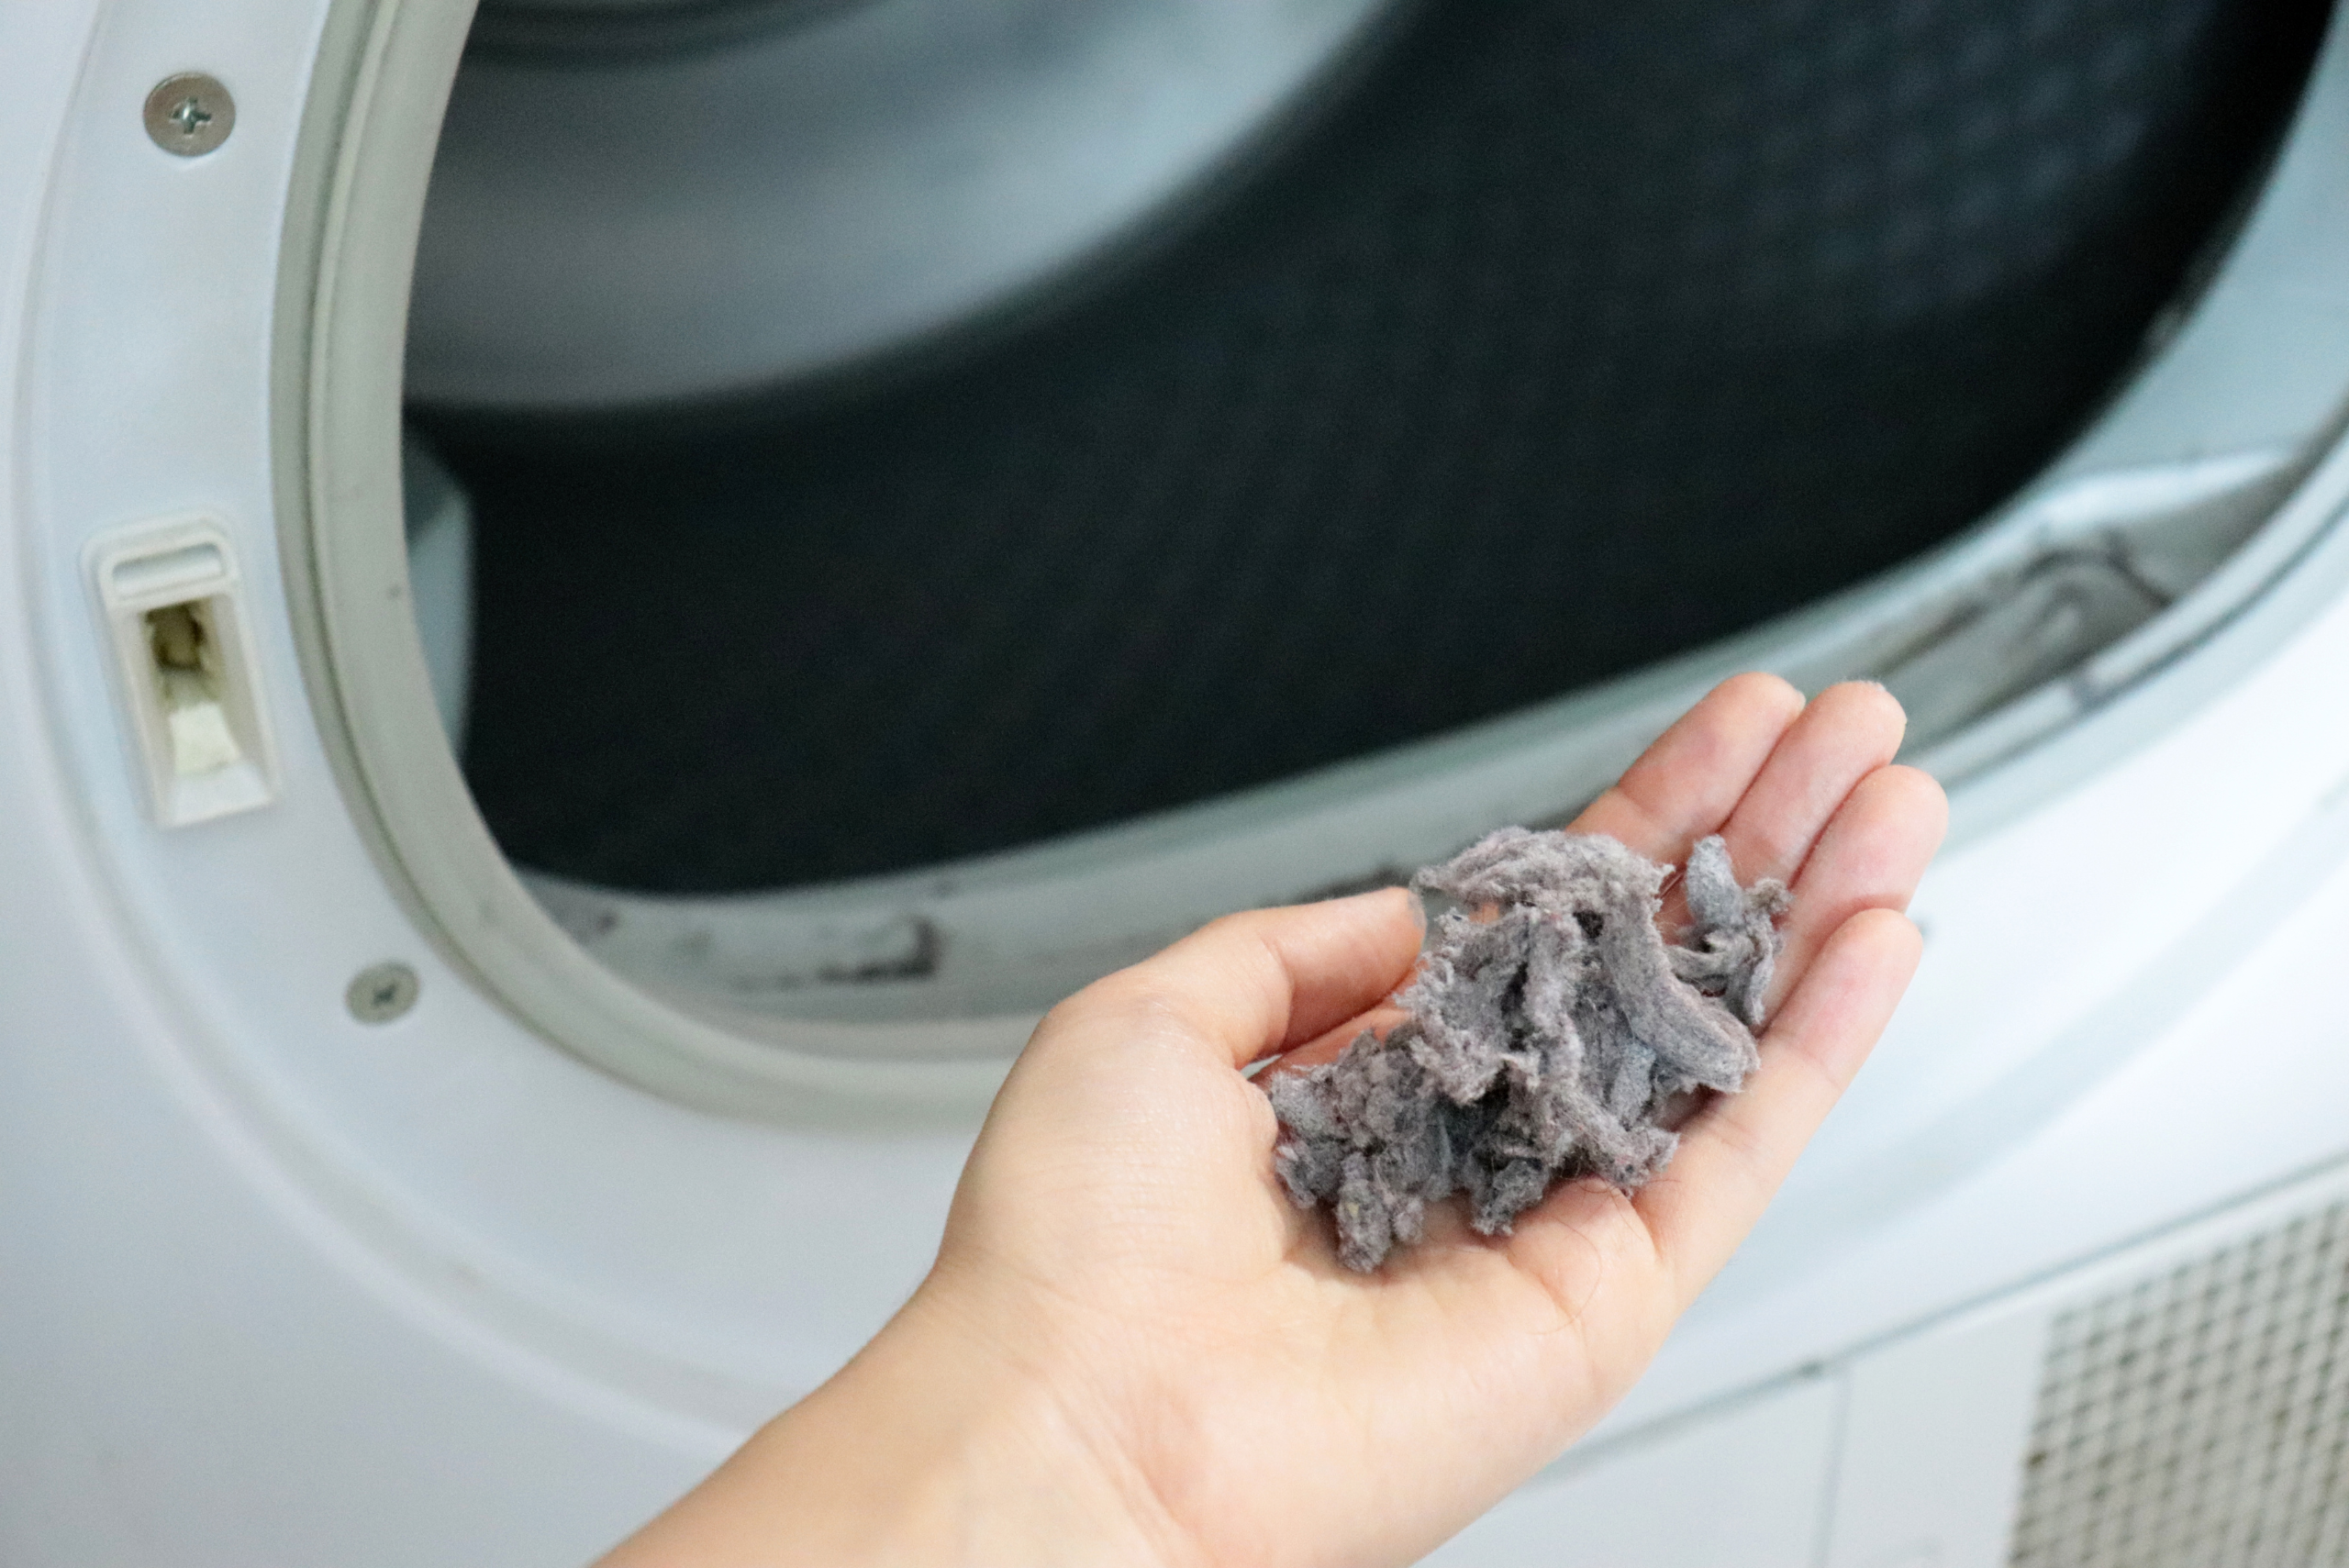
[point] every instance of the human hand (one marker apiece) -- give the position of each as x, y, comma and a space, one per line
1132, 1349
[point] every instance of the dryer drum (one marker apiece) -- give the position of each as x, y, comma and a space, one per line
960, 495
1568, 339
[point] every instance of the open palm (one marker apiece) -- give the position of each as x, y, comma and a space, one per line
1187, 1349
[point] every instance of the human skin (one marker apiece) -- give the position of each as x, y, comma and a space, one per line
1132, 1350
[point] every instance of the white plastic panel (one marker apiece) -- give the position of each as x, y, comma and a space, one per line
2180, 1402
1747, 1488
1933, 1433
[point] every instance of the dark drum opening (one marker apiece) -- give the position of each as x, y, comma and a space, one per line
1575, 337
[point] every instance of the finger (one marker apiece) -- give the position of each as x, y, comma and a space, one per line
1685, 784
1846, 733
1871, 857
1255, 983
1325, 1046
1737, 1150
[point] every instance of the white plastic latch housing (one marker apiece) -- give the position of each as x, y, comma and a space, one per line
172, 600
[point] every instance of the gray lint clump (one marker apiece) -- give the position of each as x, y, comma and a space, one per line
1548, 1028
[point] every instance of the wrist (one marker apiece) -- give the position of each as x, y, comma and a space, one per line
931, 1447
996, 1462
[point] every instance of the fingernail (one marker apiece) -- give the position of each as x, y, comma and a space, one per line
1411, 900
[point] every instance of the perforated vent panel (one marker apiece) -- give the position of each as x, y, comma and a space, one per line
2201, 1417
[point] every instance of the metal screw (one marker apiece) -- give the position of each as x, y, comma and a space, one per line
190, 113
381, 992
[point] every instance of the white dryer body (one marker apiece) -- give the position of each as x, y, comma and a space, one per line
492, 1270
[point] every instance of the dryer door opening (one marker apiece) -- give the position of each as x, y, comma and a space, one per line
947, 519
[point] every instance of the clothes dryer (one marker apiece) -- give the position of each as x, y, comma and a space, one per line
604, 601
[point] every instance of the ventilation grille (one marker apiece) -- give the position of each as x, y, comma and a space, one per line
2200, 1419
